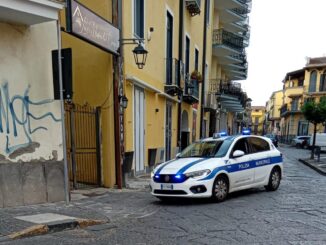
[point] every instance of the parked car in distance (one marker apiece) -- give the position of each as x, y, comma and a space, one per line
301, 141
273, 138
320, 140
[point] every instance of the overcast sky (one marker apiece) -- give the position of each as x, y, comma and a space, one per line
283, 34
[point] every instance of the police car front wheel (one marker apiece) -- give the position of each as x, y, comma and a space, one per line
220, 189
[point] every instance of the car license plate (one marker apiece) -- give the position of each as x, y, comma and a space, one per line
166, 187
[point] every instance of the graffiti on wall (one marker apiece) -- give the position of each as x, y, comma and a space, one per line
16, 118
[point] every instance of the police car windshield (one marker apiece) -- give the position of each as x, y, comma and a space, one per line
213, 148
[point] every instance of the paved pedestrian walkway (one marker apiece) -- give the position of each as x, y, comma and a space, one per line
87, 207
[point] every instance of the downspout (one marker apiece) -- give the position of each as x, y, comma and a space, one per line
202, 99
181, 31
116, 19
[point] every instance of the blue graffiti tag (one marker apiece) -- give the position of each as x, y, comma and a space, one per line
10, 119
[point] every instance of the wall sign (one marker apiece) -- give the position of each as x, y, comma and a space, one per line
85, 24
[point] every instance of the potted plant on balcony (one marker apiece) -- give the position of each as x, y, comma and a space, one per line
196, 76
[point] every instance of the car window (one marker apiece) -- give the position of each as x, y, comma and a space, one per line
214, 148
241, 145
258, 144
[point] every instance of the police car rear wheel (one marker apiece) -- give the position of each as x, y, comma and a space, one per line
274, 180
220, 189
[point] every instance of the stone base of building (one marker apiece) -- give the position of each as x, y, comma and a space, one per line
31, 183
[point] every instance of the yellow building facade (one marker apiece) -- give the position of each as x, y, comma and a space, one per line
305, 84
163, 115
258, 119
273, 107
229, 35
92, 70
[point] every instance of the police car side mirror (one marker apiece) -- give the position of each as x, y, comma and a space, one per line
177, 156
238, 153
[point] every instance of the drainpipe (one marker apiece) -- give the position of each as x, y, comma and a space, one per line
202, 99
118, 113
181, 32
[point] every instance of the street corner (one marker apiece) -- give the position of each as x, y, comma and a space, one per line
41, 224
319, 166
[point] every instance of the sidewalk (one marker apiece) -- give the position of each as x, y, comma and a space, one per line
319, 166
99, 206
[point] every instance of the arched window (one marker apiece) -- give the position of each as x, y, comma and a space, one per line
322, 84
312, 83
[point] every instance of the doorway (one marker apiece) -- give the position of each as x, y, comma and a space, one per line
139, 130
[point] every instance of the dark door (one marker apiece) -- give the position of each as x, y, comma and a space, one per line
184, 139
169, 48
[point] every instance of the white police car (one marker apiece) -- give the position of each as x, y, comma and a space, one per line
214, 167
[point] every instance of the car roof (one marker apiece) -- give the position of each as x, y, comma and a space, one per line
232, 137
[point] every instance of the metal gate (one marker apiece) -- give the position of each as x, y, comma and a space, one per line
83, 145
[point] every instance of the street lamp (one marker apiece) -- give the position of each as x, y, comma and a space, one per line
123, 101
140, 54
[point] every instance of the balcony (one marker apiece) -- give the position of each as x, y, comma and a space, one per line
29, 12
226, 43
193, 7
288, 109
173, 76
191, 91
229, 4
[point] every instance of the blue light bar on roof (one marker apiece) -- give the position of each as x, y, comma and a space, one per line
246, 132
220, 134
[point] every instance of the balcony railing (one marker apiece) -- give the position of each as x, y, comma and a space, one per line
289, 109
173, 74
193, 6
191, 91
219, 86
229, 39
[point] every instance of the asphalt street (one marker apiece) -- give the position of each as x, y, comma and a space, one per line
295, 214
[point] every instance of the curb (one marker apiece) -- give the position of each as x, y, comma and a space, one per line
313, 167
52, 227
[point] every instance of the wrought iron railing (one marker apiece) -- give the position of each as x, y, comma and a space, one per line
222, 37
172, 72
191, 87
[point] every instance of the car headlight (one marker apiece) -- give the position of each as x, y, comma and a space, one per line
197, 174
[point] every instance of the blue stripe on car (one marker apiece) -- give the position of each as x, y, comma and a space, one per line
163, 165
244, 166
182, 170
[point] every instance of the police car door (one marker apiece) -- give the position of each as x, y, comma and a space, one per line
239, 168
261, 156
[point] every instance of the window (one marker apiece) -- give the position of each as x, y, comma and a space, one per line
187, 54
294, 104
256, 120
241, 145
322, 84
300, 82
196, 59
258, 144
312, 82
139, 18
169, 48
